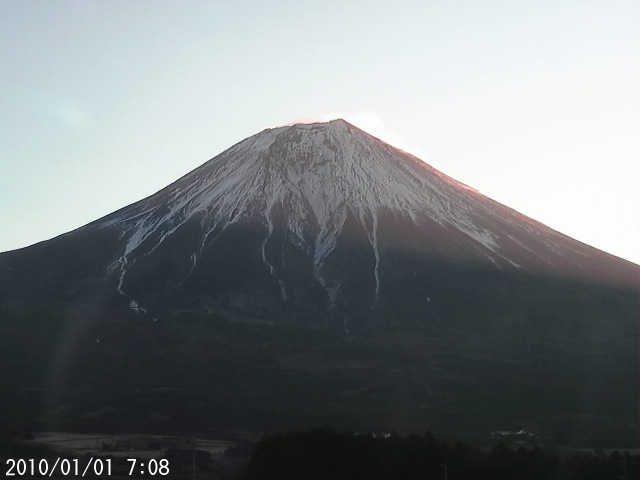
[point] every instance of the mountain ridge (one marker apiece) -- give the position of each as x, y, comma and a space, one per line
316, 275
327, 177
308, 180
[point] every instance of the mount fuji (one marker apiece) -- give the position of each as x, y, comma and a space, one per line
315, 274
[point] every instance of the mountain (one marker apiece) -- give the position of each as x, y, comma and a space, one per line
314, 274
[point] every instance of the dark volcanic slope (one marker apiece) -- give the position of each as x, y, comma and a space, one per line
391, 295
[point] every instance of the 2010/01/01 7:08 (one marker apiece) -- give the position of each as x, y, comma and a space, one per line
94, 466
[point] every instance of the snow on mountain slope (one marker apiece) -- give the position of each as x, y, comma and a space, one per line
316, 176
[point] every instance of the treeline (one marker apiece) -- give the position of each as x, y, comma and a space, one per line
331, 455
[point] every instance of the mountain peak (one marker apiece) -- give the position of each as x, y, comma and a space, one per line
337, 124
314, 182
328, 123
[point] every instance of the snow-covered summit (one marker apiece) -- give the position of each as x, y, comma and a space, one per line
314, 177
321, 169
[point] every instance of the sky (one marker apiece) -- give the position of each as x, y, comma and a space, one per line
534, 103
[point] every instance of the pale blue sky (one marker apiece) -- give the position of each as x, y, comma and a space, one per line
536, 104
